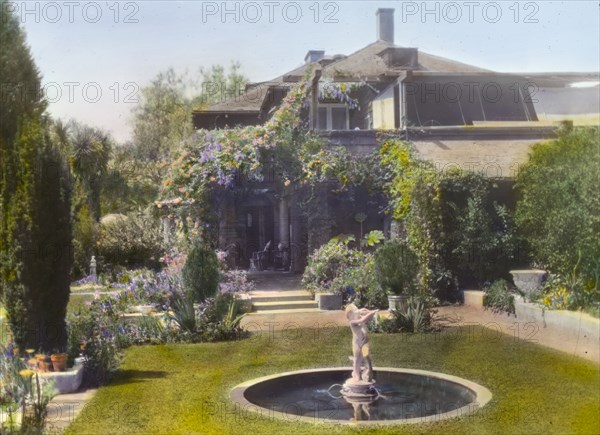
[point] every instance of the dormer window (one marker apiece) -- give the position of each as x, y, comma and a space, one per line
333, 117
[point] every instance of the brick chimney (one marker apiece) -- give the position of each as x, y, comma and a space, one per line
385, 24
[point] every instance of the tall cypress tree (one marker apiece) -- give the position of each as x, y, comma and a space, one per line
35, 221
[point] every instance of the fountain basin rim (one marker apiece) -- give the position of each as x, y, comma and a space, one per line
482, 397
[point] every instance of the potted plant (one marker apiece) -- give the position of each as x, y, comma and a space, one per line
42, 363
396, 268
59, 361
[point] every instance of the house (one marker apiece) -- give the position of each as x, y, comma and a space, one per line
455, 114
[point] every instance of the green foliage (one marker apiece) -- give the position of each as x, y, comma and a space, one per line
155, 373
329, 266
90, 151
460, 234
35, 254
94, 333
362, 280
85, 236
200, 273
570, 291
396, 267
218, 83
479, 239
499, 298
372, 238
416, 316
35, 227
559, 208
22, 390
131, 241
162, 119
183, 313
130, 182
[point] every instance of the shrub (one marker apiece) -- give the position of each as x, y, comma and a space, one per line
95, 332
416, 316
200, 273
498, 297
132, 241
148, 287
558, 211
183, 313
479, 240
451, 220
85, 236
396, 267
361, 283
236, 281
328, 264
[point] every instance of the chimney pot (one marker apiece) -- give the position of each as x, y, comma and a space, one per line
385, 24
314, 56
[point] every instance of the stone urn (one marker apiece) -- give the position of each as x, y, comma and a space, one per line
528, 281
397, 302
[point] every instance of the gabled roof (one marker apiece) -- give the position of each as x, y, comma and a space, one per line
369, 63
365, 64
250, 101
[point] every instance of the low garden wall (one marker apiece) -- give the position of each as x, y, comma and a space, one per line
569, 321
68, 381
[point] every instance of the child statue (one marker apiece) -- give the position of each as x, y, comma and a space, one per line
360, 342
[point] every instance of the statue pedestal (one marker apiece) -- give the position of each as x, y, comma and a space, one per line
359, 389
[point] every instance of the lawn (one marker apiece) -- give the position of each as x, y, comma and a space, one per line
77, 302
88, 288
185, 388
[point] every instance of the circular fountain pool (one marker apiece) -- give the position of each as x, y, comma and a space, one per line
403, 396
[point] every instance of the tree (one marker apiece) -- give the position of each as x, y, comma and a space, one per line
217, 83
90, 154
35, 225
163, 119
558, 211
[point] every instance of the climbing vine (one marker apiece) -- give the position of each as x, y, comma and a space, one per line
340, 92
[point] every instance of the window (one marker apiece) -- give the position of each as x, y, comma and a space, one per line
333, 117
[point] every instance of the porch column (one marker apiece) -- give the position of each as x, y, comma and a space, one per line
284, 222
227, 224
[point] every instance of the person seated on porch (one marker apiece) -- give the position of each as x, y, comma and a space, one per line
260, 258
281, 257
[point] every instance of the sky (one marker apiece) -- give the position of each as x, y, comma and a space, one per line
95, 56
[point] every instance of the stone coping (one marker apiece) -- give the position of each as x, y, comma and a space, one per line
527, 271
574, 322
65, 382
482, 397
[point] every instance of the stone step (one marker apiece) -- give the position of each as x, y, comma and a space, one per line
258, 314
283, 305
282, 296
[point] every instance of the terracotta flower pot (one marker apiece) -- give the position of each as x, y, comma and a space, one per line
59, 362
